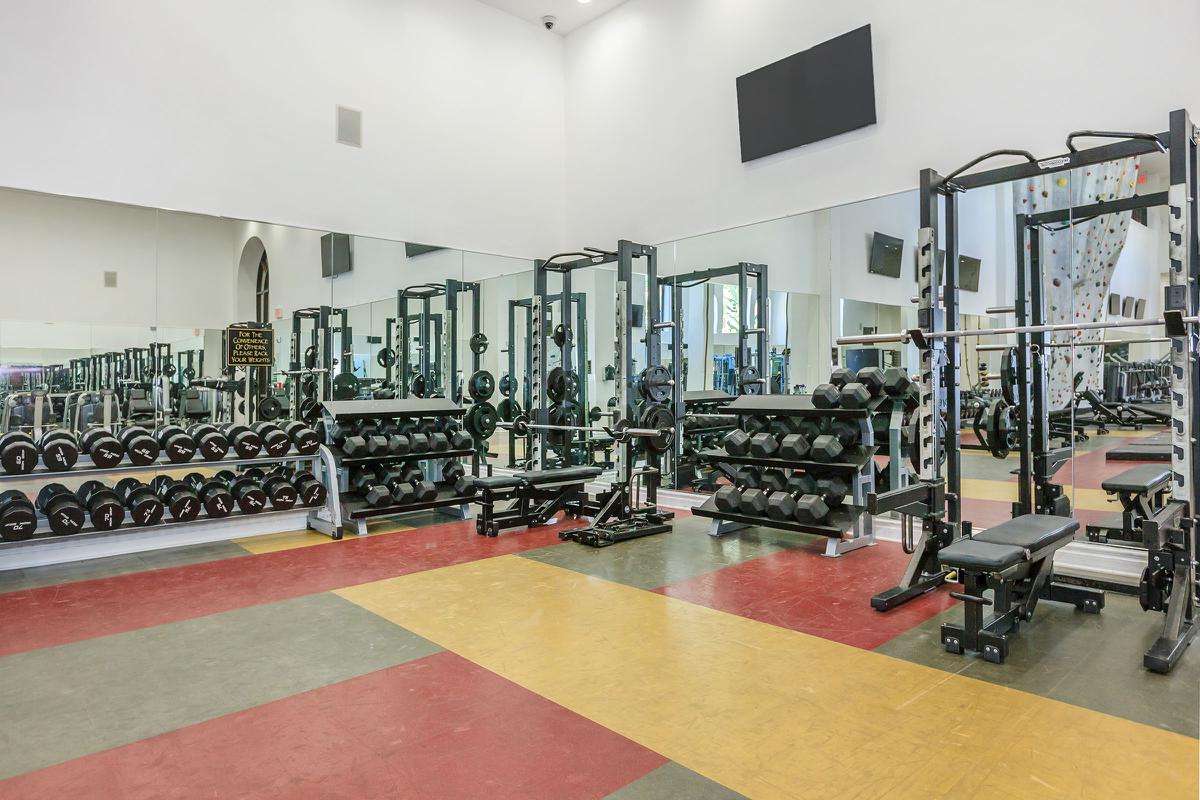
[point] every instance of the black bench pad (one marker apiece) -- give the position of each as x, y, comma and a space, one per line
567, 475
1009, 543
1140, 480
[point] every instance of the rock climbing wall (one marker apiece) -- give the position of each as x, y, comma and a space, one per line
1078, 260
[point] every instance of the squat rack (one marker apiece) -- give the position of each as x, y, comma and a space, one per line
935, 497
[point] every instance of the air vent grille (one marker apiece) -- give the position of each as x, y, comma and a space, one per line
110, 280
349, 126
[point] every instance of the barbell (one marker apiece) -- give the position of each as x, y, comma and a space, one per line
1174, 322
659, 438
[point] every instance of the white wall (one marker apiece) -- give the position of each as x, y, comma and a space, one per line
952, 80
227, 107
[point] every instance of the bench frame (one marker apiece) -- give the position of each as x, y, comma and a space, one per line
529, 505
1016, 591
1137, 507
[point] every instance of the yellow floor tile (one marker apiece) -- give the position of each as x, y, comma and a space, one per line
290, 540
1006, 491
769, 712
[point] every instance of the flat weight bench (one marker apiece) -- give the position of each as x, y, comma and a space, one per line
1016, 561
1143, 491
533, 498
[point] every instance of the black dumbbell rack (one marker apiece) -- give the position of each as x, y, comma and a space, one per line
355, 512
849, 527
15, 555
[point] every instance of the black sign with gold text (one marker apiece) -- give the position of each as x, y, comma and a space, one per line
249, 347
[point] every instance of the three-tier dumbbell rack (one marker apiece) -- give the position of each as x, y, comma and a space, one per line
355, 512
848, 526
47, 548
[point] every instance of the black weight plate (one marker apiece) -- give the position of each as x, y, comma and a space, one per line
189, 373
560, 335
508, 409
485, 419
659, 418
481, 386
345, 386
747, 380
386, 357
479, 344
416, 388
507, 385
310, 357
169, 370
655, 384
269, 408
310, 410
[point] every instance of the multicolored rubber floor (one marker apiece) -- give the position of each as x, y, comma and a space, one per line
424, 661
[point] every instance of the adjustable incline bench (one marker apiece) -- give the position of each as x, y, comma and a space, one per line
1143, 492
1014, 559
533, 498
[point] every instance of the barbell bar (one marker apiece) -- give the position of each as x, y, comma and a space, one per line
619, 432
995, 348
918, 335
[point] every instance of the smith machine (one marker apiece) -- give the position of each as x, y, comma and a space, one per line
1015, 559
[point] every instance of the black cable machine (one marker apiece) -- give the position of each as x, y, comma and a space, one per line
1169, 582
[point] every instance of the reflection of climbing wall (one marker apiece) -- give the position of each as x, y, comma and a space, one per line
1077, 264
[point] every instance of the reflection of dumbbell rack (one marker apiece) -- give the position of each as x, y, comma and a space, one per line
47, 547
351, 415
776, 416
703, 424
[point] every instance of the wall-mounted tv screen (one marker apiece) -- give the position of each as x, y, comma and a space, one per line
887, 253
337, 254
968, 273
804, 98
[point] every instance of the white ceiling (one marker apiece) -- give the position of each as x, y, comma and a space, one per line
571, 13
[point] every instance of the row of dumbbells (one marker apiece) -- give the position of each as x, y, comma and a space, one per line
60, 449
107, 507
393, 438
381, 486
849, 389
800, 497
825, 440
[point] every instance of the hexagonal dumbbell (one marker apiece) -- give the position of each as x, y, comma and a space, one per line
781, 505
782, 426
825, 396
763, 445
793, 447
810, 510
896, 382
753, 502
855, 395
873, 378
833, 490
773, 480
737, 443
749, 478
727, 498
826, 448
756, 424
841, 376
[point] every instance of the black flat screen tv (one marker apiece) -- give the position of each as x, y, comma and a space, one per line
887, 252
815, 94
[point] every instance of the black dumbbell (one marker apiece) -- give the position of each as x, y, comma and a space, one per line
102, 447
18, 520
452, 471
211, 444
250, 497
763, 445
182, 503
373, 491
424, 491
279, 488
349, 441
854, 395
793, 447
304, 439
418, 443
438, 442
59, 450
142, 503
841, 376
179, 447
461, 440
213, 493
18, 454
311, 491
455, 475
753, 502
728, 498
140, 446
833, 490
782, 505
377, 443
274, 441
104, 507
244, 441
874, 378
811, 510
826, 396
61, 508
737, 443
464, 486
896, 382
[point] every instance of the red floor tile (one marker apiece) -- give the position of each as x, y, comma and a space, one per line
826, 597
439, 727
54, 615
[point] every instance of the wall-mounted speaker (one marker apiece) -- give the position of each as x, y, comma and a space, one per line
1114, 305
1127, 307
1139, 309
